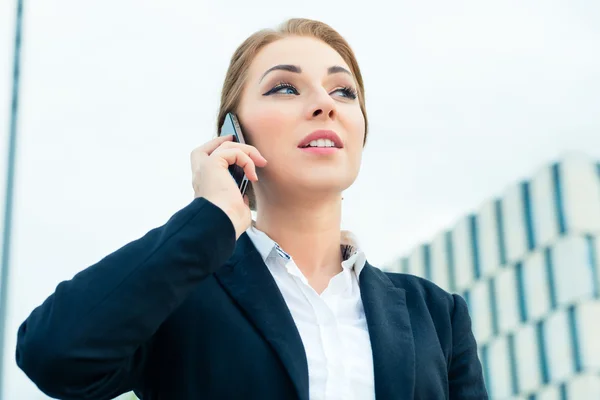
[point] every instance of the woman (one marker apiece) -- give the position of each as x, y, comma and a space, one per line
213, 306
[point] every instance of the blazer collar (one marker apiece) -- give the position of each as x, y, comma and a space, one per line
248, 281
390, 331
246, 278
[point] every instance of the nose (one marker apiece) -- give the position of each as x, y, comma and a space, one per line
322, 106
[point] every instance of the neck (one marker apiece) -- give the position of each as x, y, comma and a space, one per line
308, 232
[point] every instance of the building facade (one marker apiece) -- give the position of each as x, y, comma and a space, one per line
528, 265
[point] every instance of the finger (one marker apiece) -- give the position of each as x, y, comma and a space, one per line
213, 144
238, 157
252, 151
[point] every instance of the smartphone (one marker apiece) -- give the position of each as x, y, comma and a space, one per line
231, 126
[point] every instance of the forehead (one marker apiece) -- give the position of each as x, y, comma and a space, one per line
312, 55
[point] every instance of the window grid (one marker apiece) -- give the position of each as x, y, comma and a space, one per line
513, 364
593, 260
558, 199
500, 231
542, 352
564, 395
493, 306
528, 215
486, 367
467, 297
573, 332
427, 261
520, 290
550, 276
450, 255
474, 246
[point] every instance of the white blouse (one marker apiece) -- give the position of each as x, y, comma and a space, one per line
332, 325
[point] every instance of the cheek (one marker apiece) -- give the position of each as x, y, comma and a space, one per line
358, 126
265, 124
356, 135
355, 128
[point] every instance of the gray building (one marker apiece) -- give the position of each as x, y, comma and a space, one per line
528, 265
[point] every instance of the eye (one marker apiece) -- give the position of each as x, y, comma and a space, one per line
347, 91
283, 88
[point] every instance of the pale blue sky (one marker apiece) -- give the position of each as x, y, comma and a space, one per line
464, 98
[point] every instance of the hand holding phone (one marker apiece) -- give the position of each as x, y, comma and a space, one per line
212, 176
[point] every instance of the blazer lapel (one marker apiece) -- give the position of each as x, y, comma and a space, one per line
246, 278
392, 340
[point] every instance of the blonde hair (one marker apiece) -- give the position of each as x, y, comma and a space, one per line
245, 53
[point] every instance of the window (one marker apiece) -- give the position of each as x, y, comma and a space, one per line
439, 262
506, 296
573, 274
514, 228
536, 285
543, 190
528, 366
482, 312
558, 346
499, 367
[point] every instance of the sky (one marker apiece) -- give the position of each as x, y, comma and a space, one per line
464, 98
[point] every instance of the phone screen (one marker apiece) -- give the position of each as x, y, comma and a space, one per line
231, 126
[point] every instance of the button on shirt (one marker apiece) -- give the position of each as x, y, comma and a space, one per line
332, 325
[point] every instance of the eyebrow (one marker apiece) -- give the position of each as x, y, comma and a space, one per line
336, 69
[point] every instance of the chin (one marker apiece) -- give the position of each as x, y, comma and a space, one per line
325, 184
306, 178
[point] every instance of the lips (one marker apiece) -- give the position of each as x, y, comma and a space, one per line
322, 134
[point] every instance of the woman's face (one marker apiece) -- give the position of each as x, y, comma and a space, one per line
296, 87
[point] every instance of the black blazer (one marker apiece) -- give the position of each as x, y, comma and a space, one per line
185, 312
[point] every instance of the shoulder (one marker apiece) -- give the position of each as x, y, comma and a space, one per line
425, 297
419, 287
428, 303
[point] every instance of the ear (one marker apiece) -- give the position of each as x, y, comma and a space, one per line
348, 238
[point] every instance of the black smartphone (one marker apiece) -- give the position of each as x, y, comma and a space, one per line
231, 126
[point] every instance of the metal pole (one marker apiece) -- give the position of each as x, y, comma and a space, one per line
10, 182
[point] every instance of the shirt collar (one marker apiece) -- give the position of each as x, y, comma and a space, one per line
353, 256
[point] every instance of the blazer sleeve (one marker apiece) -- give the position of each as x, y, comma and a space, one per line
91, 338
465, 373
